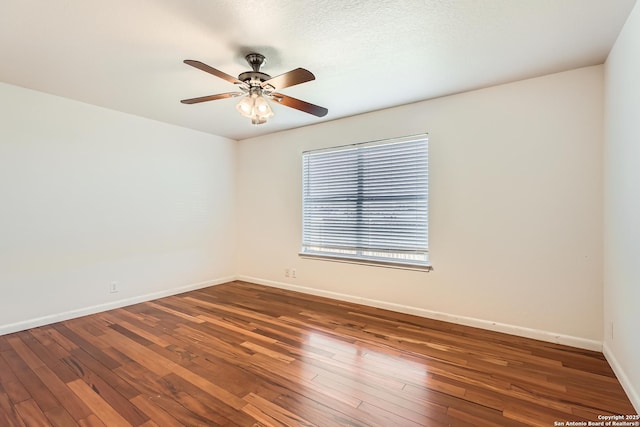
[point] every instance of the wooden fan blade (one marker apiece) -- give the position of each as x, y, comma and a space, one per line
211, 97
207, 69
292, 78
307, 107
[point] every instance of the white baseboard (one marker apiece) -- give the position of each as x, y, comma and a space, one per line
627, 385
72, 314
430, 314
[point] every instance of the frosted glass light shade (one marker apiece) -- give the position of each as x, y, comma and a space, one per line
255, 107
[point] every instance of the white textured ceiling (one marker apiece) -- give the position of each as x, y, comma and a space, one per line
127, 55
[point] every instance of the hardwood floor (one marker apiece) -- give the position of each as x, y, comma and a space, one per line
248, 355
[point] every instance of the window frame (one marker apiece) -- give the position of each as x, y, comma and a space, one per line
355, 255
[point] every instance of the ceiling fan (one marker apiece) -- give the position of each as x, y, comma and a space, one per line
256, 87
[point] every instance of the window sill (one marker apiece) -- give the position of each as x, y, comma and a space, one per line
371, 263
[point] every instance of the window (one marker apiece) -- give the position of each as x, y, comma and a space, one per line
368, 203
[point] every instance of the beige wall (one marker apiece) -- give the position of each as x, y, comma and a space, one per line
89, 196
93, 196
622, 208
516, 209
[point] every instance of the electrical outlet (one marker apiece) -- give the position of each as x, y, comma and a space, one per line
113, 287
293, 273
286, 272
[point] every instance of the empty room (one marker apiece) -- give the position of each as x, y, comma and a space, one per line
319, 213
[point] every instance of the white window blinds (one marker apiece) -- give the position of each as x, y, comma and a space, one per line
368, 202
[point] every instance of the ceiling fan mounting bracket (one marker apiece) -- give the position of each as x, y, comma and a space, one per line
255, 60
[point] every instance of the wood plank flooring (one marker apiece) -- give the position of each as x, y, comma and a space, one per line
240, 354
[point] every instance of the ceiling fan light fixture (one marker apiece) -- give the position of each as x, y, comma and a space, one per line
255, 107
262, 107
245, 106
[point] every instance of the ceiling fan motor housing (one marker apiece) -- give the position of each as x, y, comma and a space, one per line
255, 77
